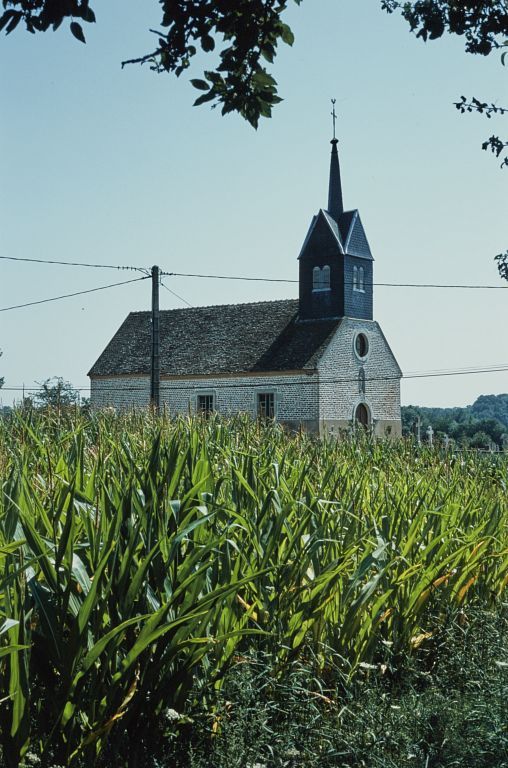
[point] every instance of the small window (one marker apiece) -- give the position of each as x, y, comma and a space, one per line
361, 381
359, 279
321, 278
266, 405
361, 346
205, 404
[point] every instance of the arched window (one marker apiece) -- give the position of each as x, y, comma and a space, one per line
362, 415
321, 278
360, 279
355, 278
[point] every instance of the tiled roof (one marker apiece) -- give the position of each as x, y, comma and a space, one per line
232, 338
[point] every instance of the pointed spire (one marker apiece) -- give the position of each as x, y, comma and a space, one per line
335, 204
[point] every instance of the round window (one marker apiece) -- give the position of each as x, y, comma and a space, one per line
361, 345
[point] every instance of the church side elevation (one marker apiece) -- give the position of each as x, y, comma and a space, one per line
319, 362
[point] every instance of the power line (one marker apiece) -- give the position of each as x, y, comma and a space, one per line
70, 295
244, 277
73, 263
231, 277
195, 383
286, 280
176, 294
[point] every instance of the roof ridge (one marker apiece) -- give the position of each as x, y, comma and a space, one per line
215, 306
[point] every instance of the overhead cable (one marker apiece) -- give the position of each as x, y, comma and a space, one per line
176, 294
73, 263
70, 295
195, 383
245, 278
286, 280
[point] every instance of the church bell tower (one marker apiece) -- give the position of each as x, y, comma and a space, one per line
336, 265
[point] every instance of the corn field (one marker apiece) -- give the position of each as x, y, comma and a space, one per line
140, 557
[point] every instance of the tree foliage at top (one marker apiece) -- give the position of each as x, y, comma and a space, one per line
484, 26
483, 23
247, 31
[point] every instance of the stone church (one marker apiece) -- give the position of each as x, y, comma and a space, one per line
320, 362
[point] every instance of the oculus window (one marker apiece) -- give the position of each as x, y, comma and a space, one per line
361, 346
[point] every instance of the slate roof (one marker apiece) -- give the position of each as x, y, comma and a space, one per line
348, 232
233, 338
332, 225
356, 243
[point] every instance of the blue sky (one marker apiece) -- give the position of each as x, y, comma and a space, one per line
115, 166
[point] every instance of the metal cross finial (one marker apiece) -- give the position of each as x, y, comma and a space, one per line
334, 116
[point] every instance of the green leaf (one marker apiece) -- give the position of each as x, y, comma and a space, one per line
206, 97
287, 34
201, 85
207, 43
14, 20
77, 31
88, 15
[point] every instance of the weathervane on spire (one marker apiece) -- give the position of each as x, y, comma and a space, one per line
334, 117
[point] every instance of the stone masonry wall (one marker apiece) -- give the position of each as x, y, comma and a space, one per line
296, 396
339, 368
120, 392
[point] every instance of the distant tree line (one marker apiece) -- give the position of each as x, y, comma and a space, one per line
54, 392
475, 426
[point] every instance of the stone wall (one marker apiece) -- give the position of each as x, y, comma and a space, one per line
121, 392
296, 395
340, 390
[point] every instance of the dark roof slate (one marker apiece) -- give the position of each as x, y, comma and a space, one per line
232, 338
353, 235
357, 243
345, 224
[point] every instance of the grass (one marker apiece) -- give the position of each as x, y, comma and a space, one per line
152, 567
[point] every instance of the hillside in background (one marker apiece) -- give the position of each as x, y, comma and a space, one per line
475, 426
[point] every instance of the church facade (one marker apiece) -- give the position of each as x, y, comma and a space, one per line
319, 362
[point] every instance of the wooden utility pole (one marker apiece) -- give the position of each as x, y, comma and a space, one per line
155, 356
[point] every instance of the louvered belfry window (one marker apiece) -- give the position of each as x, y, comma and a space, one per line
321, 278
